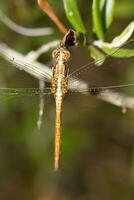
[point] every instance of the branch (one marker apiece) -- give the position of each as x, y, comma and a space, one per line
36, 69
31, 32
118, 99
43, 72
41, 104
43, 4
34, 55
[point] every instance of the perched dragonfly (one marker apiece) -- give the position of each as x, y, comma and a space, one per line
62, 83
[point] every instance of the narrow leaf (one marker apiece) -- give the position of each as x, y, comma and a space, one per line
121, 53
102, 11
109, 13
124, 36
73, 15
97, 19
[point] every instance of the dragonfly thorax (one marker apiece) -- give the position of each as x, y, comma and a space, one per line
60, 72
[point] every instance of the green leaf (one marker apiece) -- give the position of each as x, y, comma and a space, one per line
124, 36
73, 15
124, 50
97, 19
119, 52
98, 56
109, 13
102, 11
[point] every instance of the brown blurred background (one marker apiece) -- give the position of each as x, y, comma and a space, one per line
98, 140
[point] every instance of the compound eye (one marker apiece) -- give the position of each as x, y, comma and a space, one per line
56, 54
66, 55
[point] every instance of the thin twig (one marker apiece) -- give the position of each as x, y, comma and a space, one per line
41, 104
34, 55
45, 6
31, 32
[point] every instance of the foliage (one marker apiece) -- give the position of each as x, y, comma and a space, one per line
102, 17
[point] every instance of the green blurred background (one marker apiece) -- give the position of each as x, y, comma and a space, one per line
98, 140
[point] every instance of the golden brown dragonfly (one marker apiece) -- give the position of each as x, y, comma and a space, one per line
63, 83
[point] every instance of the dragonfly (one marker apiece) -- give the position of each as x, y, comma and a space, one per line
63, 83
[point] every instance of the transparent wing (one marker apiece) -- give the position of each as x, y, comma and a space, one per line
24, 91
94, 64
114, 73
35, 69
102, 90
